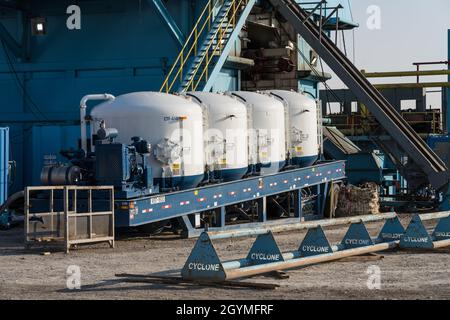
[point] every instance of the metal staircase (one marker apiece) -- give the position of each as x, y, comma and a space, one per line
430, 167
208, 46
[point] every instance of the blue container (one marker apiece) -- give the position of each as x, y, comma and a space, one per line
4, 162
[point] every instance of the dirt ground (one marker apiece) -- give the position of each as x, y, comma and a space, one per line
31, 275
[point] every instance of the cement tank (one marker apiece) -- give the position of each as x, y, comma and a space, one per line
302, 118
267, 138
225, 121
172, 124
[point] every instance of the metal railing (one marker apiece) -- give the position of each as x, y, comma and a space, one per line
356, 125
210, 48
68, 215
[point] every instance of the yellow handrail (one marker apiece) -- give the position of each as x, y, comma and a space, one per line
231, 21
195, 32
208, 59
183, 62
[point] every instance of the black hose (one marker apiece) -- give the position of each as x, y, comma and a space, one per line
16, 196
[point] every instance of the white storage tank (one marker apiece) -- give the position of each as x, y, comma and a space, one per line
225, 125
173, 125
267, 138
302, 119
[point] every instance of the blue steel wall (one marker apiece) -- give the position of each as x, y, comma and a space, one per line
123, 46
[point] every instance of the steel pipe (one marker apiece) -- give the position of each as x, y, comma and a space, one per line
301, 262
83, 106
396, 74
299, 226
236, 264
434, 215
242, 263
216, 235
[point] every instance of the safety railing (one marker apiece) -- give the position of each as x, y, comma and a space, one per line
355, 125
215, 45
190, 48
66, 216
202, 45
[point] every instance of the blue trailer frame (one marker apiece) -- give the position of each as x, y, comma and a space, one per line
215, 198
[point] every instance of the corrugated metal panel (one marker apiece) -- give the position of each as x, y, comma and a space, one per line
4, 160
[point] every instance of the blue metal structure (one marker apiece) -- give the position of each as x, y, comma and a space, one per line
4, 173
122, 46
4, 164
184, 204
344, 21
138, 202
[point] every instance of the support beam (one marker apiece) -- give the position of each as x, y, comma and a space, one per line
412, 85
396, 74
170, 22
10, 42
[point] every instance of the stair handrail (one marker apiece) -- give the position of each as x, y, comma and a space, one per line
208, 61
195, 32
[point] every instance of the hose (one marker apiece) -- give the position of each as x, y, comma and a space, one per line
16, 196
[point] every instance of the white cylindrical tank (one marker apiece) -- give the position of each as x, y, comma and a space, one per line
225, 125
173, 125
302, 119
267, 138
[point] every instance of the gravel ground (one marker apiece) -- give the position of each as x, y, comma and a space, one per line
31, 275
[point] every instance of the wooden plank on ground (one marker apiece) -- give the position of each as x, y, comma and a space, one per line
138, 278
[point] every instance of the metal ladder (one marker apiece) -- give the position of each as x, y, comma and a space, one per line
208, 46
403, 136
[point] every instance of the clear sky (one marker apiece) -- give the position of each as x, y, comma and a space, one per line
410, 31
